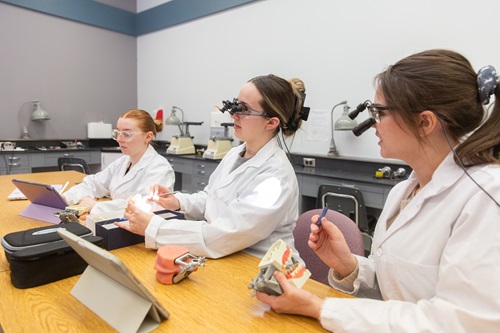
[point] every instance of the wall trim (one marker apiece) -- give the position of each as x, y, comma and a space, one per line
180, 11
111, 18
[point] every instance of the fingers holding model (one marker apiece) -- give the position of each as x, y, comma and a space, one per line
293, 300
329, 244
138, 219
88, 201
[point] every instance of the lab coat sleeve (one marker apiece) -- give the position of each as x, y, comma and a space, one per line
364, 285
193, 204
94, 186
467, 295
247, 219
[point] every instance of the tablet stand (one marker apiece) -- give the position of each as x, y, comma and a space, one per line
40, 212
119, 306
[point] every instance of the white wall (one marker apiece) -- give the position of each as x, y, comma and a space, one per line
336, 47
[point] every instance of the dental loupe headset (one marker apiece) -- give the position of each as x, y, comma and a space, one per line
292, 123
230, 107
364, 125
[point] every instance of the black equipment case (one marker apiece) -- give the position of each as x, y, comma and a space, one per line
39, 256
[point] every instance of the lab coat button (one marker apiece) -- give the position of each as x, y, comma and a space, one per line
379, 251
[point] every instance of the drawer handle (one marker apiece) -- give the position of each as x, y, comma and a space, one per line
68, 155
11, 158
14, 164
201, 172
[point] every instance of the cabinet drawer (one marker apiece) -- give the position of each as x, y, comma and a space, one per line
95, 157
308, 186
50, 159
203, 169
15, 162
179, 164
199, 183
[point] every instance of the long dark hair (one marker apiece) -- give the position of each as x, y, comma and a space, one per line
444, 82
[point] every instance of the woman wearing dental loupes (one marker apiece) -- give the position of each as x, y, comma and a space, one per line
251, 199
435, 259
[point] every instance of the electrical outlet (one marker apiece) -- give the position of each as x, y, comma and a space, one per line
309, 162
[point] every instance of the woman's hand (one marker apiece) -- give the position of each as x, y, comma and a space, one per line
164, 197
88, 201
329, 244
293, 300
138, 220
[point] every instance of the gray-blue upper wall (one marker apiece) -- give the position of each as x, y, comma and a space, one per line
104, 16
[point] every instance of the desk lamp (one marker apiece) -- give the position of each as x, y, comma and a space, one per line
344, 123
183, 143
38, 114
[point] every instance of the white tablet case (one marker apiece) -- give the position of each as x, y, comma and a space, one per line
110, 290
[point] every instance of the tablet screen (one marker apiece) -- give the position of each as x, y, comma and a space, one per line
41, 194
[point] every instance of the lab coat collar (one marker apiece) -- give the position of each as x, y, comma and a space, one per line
268, 150
146, 159
445, 176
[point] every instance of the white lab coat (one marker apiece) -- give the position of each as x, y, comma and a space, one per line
112, 182
248, 208
438, 265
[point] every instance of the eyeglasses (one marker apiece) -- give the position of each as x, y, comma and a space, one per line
126, 135
375, 111
246, 111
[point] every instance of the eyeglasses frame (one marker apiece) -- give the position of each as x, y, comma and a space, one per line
124, 137
375, 111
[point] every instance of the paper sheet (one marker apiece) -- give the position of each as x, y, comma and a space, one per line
318, 126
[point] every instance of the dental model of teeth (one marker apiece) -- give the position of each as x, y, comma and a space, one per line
278, 257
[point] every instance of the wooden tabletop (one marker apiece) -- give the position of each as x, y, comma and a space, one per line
215, 298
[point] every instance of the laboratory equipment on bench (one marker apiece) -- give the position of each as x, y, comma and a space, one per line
218, 146
387, 172
183, 143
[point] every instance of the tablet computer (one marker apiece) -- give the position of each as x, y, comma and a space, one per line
41, 194
111, 266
